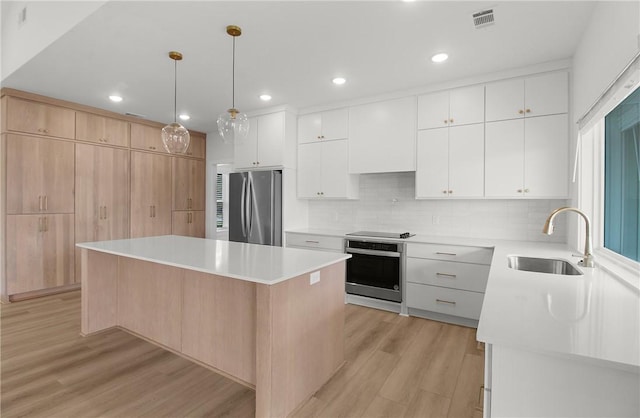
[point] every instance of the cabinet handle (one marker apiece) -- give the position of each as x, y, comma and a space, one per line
152, 147
444, 191
257, 162
450, 191
453, 276
443, 253
40, 203
446, 121
105, 212
528, 110
310, 241
520, 112
526, 190
44, 131
445, 301
40, 228
450, 120
519, 190
46, 202
254, 163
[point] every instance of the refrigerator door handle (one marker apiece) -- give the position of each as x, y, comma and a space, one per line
250, 206
243, 204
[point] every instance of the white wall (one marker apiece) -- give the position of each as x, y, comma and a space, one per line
46, 21
376, 210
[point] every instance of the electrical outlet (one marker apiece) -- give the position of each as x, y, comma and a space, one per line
314, 277
22, 16
435, 220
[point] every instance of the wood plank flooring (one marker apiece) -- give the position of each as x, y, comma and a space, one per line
395, 367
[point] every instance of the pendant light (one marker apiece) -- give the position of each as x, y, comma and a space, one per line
233, 125
175, 137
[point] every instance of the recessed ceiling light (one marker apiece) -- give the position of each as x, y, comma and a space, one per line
184, 116
115, 98
441, 57
265, 97
339, 81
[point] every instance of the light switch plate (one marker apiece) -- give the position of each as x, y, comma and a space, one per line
314, 277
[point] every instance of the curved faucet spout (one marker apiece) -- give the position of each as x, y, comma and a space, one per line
589, 260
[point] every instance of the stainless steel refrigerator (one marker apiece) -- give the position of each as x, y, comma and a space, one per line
255, 207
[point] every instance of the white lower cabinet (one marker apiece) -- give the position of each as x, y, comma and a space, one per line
447, 282
315, 242
323, 171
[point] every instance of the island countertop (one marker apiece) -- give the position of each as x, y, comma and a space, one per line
250, 262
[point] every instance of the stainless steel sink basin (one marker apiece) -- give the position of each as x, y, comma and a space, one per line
542, 265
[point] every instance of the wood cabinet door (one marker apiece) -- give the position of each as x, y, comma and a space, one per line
40, 252
38, 118
309, 170
466, 160
146, 137
505, 100
546, 94
504, 158
188, 177
432, 165
309, 128
150, 194
245, 150
546, 152
335, 169
197, 146
335, 124
270, 140
100, 129
40, 175
102, 193
189, 223
466, 106
433, 110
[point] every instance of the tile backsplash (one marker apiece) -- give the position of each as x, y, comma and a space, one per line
387, 203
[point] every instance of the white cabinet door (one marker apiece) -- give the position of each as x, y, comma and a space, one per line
546, 156
546, 94
270, 140
335, 174
335, 124
505, 100
309, 128
466, 105
382, 136
309, 170
433, 110
245, 150
466, 161
504, 158
432, 167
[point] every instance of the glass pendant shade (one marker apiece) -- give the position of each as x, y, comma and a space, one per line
175, 138
233, 126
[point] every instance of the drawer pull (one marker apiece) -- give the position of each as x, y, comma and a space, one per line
445, 301
442, 253
453, 276
312, 242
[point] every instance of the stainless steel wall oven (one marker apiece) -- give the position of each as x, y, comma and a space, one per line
375, 269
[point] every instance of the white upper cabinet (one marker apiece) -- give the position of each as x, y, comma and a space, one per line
268, 143
382, 136
322, 171
461, 106
329, 125
541, 95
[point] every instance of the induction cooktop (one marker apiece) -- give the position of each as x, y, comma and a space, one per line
396, 235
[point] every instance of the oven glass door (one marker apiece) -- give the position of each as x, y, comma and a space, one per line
374, 271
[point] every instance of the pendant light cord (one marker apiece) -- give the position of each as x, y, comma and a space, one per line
233, 75
175, 91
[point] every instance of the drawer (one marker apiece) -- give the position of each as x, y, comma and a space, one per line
320, 242
464, 276
447, 301
459, 253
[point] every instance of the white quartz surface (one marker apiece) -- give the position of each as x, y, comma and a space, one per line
251, 262
595, 316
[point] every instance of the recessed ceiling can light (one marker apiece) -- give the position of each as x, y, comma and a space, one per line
115, 98
441, 57
184, 116
339, 81
265, 97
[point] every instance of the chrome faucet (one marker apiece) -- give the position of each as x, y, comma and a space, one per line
589, 260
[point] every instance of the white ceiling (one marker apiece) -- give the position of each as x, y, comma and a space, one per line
290, 50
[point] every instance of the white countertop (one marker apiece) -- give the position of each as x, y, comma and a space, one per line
595, 316
251, 262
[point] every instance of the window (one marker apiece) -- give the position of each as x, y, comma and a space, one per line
219, 202
622, 178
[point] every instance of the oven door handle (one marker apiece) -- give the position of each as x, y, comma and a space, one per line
373, 252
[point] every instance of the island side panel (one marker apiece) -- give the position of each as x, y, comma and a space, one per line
300, 339
219, 323
150, 301
99, 277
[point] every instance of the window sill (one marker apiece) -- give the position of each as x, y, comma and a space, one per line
625, 270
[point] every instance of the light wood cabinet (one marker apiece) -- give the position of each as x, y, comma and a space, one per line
101, 129
323, 171
197, 146
382, 136
38, 118
545, 94
189, 223
146, 137
450, 162
40, 175
451, 108
329, 125
150, 194
188, 177
527, 158
40, 252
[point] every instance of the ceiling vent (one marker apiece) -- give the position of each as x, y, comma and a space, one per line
483, 18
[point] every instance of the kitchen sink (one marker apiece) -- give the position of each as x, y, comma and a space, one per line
542, 265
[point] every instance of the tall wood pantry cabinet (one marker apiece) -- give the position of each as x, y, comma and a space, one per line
72, 173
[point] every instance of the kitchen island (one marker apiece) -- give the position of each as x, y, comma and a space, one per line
271, 318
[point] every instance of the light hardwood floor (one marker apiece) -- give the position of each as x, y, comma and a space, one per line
395, 367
